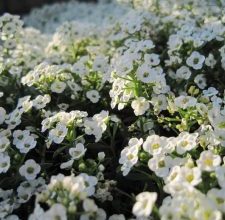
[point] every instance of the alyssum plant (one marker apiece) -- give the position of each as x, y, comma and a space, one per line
113, 111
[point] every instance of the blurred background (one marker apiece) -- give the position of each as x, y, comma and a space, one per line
24, 6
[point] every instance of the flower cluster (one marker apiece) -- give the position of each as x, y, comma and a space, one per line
113, 110
68, 195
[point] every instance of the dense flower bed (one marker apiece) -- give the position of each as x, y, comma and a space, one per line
113, 111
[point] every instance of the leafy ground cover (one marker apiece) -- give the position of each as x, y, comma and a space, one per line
114, 111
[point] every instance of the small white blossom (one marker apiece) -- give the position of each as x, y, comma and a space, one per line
220, 175
93, 95
40, 101
4, 162
200, 80
185, 102
210, 61
58, 87
183, 73
89, 205
195, 60
140, 106
101, 156
77, 152
58, 134
154, 144
30, 169
4, 143
208, 161
144, 204
57, 211
186, 142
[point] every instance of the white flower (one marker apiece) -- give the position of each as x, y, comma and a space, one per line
46, 124
15, 71
191, 175
37, 212
174, 175
92, 128
218, 197
135, 142
211, 91
58, 87
171, 144
23, 140
196, 60
102, 119
63, 106
207, 213
90, 182
185, 101
74, 86
183, 73
128, 158
93, 95
174, 42
159, 102
131, 24
146, 74
140, 106
100, 64
100, 215
101, 156
24, 193
89, 205
159, 164
208, 161
145, 45
202, 109
4, 143
26, 144
96, 125
19, 135
67, 164
220, 175
57, 211
186, 142
200, 80
152, 59
79, 68
58, 134
30, 169
115, 119
223, 62
154, 144
4, 162
216, 101
77, 152
123, 66
144, 204
210, 61
222, 51
27, 105
40, 101
12, 217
